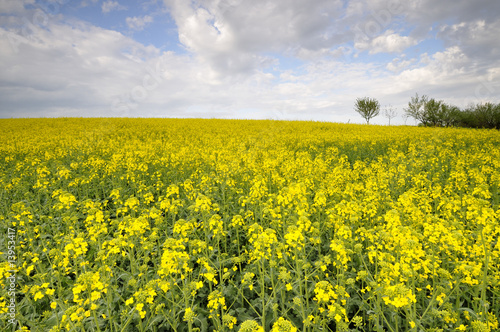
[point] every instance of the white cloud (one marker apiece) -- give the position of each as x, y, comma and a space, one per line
478, 38
451, 75
109, 5
429, 12
399, 64
389, 42
77, 65
138, 23
82, 69
14, 6
236, 64
231, 36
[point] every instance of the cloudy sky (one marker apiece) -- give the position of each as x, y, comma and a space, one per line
274, 59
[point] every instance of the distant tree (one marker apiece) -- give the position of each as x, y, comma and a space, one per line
405, 117
390, 113
432, 113
415, 107
497, 116
367, 107
468, 117
450, 115
486, 115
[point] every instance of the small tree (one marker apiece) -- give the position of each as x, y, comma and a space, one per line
432, 113
390, 113
415, 107
450, 115
486, 115
367, 108
405, 117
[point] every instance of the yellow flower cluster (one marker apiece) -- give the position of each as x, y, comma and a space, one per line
215, 302
174, 259
400, 296
250, 326
262, 241
283, 325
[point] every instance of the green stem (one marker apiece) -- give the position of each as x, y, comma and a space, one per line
263, 289
299, 272
124, 328
186, 304
96, 321
485, 279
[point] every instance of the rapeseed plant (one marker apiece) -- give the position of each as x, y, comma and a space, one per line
252, 226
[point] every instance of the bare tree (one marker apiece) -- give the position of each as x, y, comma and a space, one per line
405, 117
390, 113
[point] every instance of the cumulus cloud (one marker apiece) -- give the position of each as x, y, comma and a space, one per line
109, 5
451, 75
429, 12
389, 42
478, 39
233, 36
139, 23
68, 65
399, 64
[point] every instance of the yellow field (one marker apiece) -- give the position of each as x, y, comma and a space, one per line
220, 225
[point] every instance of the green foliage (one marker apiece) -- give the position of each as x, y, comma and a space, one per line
436, 113
415, 107
449, 115
367, 107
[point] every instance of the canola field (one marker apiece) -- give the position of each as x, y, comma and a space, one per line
230, 225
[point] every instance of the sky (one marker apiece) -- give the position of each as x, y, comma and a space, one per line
244, 59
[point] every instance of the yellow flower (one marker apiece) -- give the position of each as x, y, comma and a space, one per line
250, 326
139, 307
229, 321
189, 315
216, 301
95, 295
283, 325
39, 295
440, 298
29, 269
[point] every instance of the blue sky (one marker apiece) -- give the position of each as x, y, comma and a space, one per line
286, 59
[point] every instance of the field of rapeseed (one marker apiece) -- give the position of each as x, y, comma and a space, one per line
221, 225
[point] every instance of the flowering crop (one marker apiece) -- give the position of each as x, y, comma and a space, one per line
229, 225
